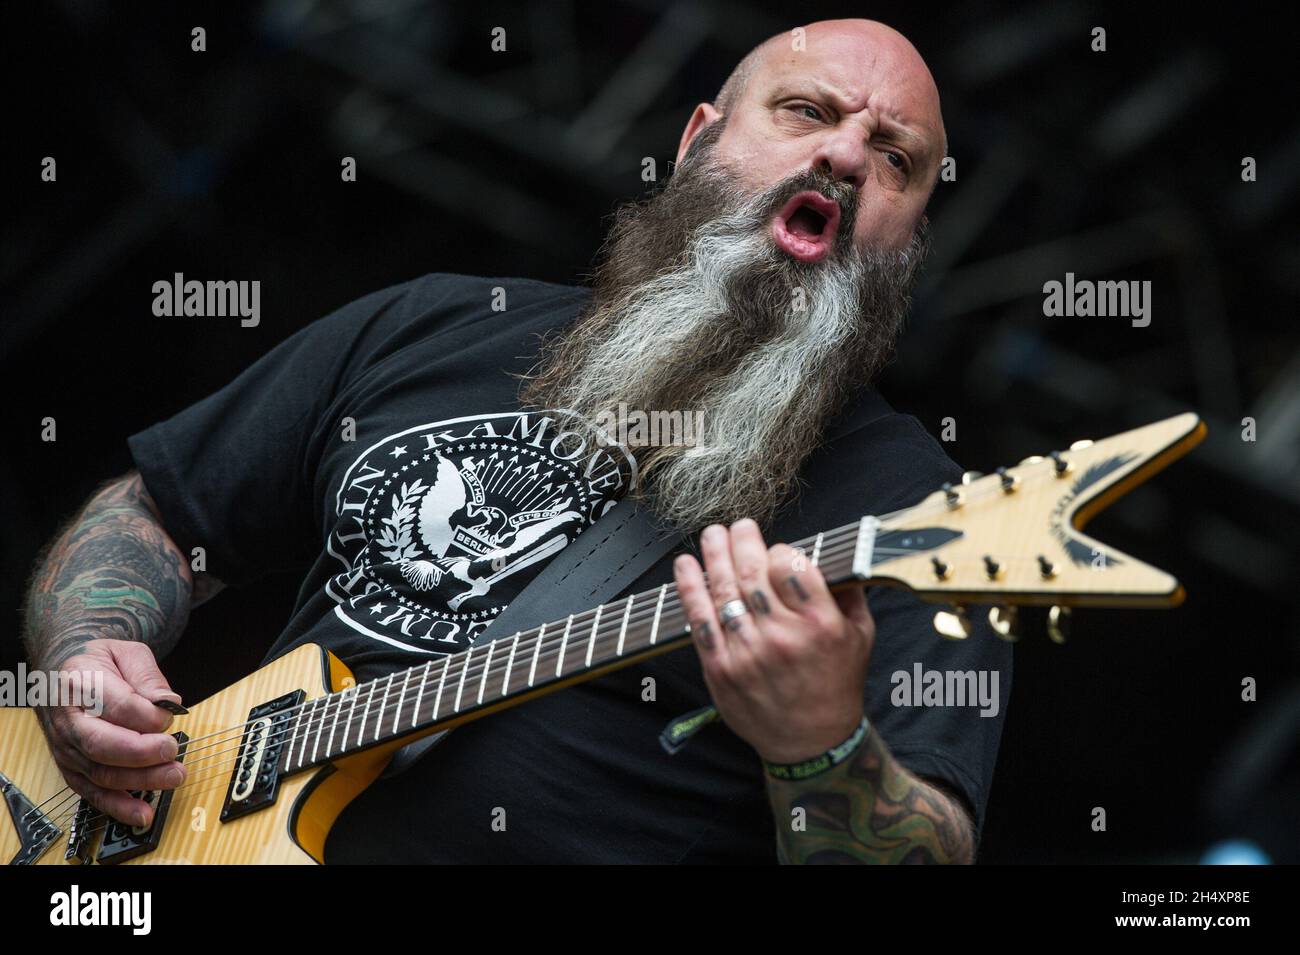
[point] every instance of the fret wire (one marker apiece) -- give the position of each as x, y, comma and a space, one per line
594, 624
293, 737
487, 668
302, 752
335, 725
415, 710
532, 670
401, 696
365, 711
356, 692
325, 710
441, 682
559, 663
455, 707
659, 606
622, 632
510, 662
379, 717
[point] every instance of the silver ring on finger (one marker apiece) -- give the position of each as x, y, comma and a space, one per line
732, 609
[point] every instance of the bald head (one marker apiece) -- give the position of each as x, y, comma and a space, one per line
868, 33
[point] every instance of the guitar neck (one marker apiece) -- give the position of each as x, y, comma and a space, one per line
1010, 536
456, 688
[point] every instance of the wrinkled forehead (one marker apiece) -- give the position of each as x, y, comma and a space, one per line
859, 68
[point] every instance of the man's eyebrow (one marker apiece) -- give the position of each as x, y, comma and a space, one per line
915, 142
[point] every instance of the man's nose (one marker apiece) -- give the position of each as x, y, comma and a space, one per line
843, 157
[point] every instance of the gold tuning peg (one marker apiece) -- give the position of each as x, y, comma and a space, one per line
953, 624
1058, 623
1004, 621
1081, 444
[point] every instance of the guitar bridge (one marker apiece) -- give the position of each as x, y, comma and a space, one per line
78, 850
35, 829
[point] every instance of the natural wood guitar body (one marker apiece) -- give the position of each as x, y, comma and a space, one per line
291, 832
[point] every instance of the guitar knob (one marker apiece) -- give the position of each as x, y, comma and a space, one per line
1004, 622
1081, 444
1033, 459
953, 624
971, 476
1058, 623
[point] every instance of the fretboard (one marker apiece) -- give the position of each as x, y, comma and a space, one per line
511, 668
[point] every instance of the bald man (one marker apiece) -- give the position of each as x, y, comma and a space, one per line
758, 293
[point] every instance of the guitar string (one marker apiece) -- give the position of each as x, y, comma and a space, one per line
839, 535
555, 646
216, 773
639, 615
475, 669
835, 551
477, 672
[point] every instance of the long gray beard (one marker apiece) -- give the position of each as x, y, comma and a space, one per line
696, 310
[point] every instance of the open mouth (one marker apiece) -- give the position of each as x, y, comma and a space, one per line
806, 225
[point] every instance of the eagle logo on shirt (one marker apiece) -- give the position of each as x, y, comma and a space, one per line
439, 526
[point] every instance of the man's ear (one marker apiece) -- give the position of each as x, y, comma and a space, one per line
703, 115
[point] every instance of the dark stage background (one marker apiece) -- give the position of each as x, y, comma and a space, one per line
1118, 165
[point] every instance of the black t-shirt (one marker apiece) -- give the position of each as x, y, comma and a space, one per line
384, 446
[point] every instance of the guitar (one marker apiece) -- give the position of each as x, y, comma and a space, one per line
273, 759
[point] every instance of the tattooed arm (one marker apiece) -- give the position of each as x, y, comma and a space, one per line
111, 592
113, 573
869, 809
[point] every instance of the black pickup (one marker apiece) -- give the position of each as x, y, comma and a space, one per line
255, 782
121, 841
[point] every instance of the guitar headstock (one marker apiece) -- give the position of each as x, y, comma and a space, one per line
1015, 536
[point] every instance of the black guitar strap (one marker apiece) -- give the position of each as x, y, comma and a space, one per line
605, 559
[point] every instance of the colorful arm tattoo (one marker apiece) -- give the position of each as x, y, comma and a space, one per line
112, 573
868, 809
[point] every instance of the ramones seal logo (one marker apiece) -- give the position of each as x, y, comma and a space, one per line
441, 525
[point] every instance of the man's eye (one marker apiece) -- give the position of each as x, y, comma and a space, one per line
808, 111
896, 160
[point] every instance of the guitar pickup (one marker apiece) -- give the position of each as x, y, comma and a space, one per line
255, 782
123, 841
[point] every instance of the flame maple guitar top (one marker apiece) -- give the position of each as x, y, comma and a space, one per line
290, 832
